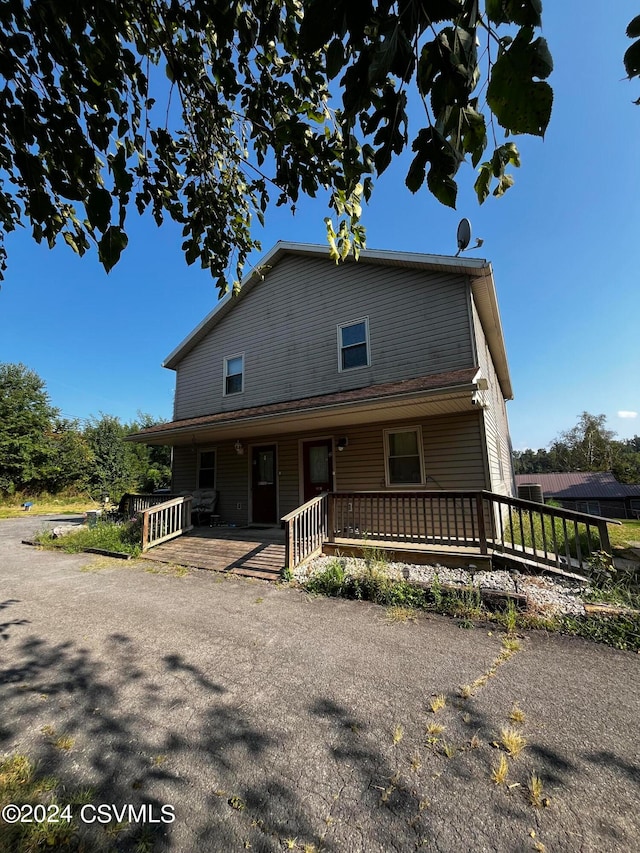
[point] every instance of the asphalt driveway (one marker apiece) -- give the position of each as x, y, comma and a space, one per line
270, 720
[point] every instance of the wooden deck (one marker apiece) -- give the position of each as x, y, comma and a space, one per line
247, 551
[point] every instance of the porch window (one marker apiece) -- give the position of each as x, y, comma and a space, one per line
353, 345
234, 374
404, 460
207, 469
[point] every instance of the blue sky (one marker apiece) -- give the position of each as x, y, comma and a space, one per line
563, 242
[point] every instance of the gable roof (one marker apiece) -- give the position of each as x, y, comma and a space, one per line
579, 485
478, 270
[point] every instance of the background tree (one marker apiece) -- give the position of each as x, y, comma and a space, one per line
26, 421
69, 459
588, 446
110, 474
265, 99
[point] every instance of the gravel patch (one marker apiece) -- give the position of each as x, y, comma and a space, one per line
544, 594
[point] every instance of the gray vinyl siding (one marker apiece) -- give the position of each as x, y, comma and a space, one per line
496, 426
287, 329
453, 458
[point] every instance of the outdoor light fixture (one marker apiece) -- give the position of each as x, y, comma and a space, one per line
239, 447
342, 443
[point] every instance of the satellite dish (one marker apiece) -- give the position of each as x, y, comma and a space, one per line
464, 235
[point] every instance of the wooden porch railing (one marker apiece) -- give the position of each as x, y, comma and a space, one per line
480, 520
166, 520
306, 530
131, 504
545, 534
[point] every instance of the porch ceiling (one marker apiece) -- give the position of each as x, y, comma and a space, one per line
322, 417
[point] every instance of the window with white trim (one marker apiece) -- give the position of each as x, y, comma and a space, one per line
353, 344
404, 457
207, 469
234, 374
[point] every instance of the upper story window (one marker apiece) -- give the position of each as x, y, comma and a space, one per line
353, 344
234, 374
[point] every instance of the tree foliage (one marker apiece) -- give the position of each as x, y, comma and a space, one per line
588, 446
205, 112
26, 418
39, 451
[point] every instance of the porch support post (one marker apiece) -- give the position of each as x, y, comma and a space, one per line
482, 533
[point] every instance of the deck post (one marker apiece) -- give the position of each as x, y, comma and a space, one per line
482, 533
331, 513
603, 532
288, 544
145, 531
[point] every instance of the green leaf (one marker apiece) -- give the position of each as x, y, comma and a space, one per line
483, 182
317, 26
335, 58
632, 60
522, 12
98, 207
111, 246
633, 30
521, 104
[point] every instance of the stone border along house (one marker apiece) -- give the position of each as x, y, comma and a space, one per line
386, 374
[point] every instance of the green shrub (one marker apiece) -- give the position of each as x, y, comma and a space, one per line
106, 535
329, 581
621, 632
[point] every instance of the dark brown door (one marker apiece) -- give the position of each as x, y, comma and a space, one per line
263, 485
317, 465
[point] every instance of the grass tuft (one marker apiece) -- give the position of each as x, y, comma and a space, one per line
536, 792
500, 771
517, 715
438, 702
512, 741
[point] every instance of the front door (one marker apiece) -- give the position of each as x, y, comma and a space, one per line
317, 467
264, 485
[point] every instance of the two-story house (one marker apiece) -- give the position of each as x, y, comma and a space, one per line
383, 375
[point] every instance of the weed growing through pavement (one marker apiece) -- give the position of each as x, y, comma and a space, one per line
437, 703
64, 742
448, 749
434, 729
237, 803
500, 771
513, 741
400, 614
398, 734
517, 715
536, 792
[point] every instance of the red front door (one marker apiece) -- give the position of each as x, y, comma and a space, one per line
317, 467
264, 499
